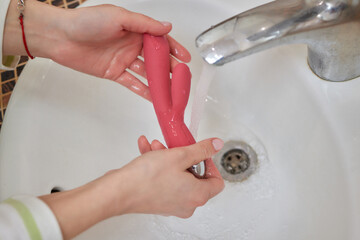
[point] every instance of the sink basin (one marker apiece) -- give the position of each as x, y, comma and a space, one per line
64, 128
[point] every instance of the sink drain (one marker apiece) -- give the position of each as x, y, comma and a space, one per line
56, 189
236, 161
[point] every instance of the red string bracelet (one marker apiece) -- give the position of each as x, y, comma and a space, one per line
21, 7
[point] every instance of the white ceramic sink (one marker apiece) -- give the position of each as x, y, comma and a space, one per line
64, 128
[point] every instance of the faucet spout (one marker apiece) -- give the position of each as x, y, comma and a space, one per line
330, 28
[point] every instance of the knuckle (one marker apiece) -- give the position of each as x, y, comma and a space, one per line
120, 9
199, 200
222, 185
218, 187
186, 214
106, 5
110, 172
181, 153
202, 200
205, 150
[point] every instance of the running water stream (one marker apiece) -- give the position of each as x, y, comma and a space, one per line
206, 77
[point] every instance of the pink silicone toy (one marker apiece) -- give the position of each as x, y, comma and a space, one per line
169, 97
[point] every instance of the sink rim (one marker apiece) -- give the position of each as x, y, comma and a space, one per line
38, 69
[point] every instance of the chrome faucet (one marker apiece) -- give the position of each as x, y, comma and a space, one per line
330, 28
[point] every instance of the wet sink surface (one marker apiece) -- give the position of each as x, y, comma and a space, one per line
64, 128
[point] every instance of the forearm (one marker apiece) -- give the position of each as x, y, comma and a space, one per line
42, 24
79, 209
155, 183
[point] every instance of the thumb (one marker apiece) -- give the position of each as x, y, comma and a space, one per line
139, 23
202, 150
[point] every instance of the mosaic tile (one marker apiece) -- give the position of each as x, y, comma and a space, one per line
73, 5
5, 100
8, 78
23, 59
7, 75
57, 2
19, 69
7, 86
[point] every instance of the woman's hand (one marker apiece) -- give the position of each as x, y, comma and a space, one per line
102, 40
157, 182
105, 40
163, 183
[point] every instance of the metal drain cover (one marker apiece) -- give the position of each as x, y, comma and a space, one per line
236, 161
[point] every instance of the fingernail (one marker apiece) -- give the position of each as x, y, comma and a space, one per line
218, 144
166, 24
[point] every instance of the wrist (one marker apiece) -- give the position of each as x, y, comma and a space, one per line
78, 209
119, 185
42, 27
113, 189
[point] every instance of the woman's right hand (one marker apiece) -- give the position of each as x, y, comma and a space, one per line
159, 182
156, 182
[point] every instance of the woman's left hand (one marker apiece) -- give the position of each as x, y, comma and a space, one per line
106, 40
102, 40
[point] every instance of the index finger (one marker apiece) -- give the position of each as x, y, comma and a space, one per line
178, 50
140, 23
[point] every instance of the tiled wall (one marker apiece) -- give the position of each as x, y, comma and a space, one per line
8, 79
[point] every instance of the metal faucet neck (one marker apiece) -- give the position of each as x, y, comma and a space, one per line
330, 28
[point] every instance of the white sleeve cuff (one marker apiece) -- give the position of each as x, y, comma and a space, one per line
32, 219
6, 62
